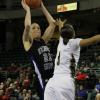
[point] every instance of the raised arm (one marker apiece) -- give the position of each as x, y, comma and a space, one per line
50, 29
60, 23
27, 23
89, 41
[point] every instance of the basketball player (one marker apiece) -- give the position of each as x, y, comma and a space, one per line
61, 85
35, 44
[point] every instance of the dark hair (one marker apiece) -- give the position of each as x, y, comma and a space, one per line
67, 31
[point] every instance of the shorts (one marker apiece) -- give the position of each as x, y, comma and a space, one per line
60, 87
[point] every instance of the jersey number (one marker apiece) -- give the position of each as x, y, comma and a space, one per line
58, 62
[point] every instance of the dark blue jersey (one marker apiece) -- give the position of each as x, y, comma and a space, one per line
41, 57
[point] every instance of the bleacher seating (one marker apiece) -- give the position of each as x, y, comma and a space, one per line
13, 56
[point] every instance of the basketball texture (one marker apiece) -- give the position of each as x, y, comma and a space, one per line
33, 3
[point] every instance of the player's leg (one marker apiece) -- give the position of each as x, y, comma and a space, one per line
65, 89
49, 93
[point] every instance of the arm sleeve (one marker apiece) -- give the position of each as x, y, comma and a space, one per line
76, 42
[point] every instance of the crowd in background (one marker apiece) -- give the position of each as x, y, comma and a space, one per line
18, 82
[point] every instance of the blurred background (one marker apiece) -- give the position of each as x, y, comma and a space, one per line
84, 15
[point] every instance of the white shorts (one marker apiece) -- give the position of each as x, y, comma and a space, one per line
60, 87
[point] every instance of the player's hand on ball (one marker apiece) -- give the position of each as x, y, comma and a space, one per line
25, 6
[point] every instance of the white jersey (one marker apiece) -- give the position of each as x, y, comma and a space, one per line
64, 55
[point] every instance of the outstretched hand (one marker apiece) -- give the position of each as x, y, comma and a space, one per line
25, 6
60, 23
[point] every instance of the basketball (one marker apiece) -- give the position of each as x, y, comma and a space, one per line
33, 3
